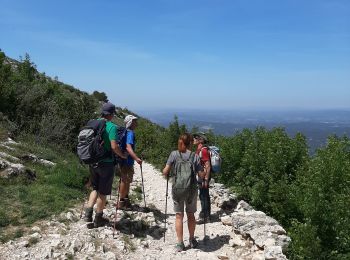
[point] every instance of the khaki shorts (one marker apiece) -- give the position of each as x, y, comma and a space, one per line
190, 201
126, 173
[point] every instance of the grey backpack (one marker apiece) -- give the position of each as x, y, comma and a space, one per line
90, 148
184, 175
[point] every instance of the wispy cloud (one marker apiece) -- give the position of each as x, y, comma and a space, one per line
88, 46
13, 17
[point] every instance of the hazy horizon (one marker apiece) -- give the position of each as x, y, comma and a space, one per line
316, 125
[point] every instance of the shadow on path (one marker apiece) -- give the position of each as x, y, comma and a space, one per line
213, 244
140, 228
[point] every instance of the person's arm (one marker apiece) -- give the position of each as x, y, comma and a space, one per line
116, 150
168, 164
130, 138
113, 136
206, 174
166, 170
132, 153
206, 166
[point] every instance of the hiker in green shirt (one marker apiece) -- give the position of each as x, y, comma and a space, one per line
102, 173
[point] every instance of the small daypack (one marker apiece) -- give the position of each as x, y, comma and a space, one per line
184, 175
121, 141
215, 158
90, 148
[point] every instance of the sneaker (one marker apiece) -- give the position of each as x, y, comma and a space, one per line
193, 243
179, 247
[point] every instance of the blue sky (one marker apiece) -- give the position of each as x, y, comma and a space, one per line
182, 54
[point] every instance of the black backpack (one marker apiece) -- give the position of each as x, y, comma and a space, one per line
90, 148
122, 134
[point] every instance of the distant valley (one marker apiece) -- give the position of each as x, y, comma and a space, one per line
315, 125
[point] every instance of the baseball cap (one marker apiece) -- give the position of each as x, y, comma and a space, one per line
128, 120
200, 135
108, 109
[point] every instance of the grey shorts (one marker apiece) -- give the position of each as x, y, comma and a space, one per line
189, 200
102, 177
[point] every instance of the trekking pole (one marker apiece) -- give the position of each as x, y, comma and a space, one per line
166, 203
143, 187
117, 206
205, 220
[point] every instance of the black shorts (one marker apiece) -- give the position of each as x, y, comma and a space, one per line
102, 177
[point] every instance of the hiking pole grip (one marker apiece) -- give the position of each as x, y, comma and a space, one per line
143, 186
166, 204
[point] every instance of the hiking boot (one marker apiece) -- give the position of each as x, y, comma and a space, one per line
88, 214
179, 247
203, 215
193, 243
203, 220
100, 221
120, 205
128, 204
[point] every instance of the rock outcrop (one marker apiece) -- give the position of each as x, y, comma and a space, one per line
11, 166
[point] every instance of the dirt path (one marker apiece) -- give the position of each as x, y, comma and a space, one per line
216, 245
139, 234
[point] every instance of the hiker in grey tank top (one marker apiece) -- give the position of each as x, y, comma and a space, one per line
184, 165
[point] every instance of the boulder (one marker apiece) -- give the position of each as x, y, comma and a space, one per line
263, 230
274, 253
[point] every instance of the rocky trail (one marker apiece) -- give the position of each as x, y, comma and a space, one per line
236, 231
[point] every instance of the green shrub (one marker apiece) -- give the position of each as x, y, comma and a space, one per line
36, 105
305, 243
323, 194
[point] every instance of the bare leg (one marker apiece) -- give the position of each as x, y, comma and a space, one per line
179, 227
123, 190
127, 188
191, 222
101, 202
92, 199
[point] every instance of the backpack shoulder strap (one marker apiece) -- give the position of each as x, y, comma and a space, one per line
191, 157
179, 155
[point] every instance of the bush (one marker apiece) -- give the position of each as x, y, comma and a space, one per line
261, 165
36, 105
323, 194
